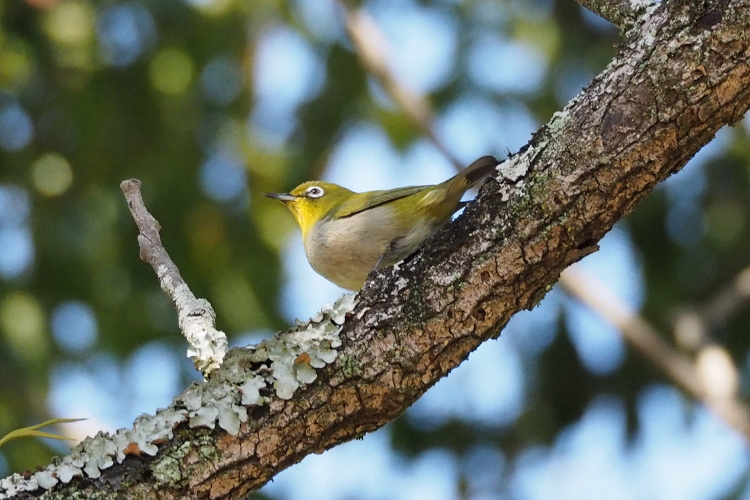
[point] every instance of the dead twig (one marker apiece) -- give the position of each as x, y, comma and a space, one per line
197, 318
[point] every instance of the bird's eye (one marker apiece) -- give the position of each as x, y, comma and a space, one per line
315, 192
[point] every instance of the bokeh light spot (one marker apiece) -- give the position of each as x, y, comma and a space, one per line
16, 62
506, 65
70, 22
287, 71
489, 390
74, 326
211, 7
125, 32
153, 378
223, 177
15, 206
171, 71
599, 345
421, 43
483, 467
16, 250
221, 80
16, 243
22, 324
321, 17
16, 128
52, 175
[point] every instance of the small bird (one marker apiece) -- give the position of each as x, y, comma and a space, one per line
347, 235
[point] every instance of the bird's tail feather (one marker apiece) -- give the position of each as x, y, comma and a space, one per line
479, 169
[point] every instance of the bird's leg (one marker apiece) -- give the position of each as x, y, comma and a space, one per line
388, 250
380, 259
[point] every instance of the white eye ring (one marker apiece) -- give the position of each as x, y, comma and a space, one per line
314, 192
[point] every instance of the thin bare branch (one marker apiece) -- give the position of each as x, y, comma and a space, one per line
197, 319
705, 380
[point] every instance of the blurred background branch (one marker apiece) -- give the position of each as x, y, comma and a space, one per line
372, 50
694, 326
711, 378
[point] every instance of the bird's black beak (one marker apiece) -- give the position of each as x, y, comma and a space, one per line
285, 197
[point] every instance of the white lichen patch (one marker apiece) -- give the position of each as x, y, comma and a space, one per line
317, 339
217, 400
197, 321
66, 472
306, 373
250, 390
12, 485
514, 168
285, 382
98, 453
285, 363
208, 346
204, 417
46, 478
638, 5
231, 416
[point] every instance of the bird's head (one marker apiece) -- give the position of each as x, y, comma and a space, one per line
311, 201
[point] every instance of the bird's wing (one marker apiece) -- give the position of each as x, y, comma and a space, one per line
365, 201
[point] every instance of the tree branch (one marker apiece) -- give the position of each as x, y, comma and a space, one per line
683, 75
370, 45
622, 13
699, 383
693, 326
197, 318
716, 392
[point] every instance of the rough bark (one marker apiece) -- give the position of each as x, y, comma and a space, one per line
622, 13
684, 73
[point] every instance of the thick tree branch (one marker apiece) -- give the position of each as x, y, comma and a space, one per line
622, 13
646, 341
684, 75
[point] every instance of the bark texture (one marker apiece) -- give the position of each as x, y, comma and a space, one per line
683, 74
622, 13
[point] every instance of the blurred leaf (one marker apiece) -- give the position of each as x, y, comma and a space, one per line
32, 431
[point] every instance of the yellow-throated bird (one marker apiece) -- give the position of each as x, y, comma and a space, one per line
347, 234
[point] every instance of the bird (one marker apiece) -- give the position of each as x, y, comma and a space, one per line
347, 235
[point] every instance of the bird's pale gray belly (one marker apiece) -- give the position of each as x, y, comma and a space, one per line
345, 250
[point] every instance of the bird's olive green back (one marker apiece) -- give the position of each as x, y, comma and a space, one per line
447, 193
360, 202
